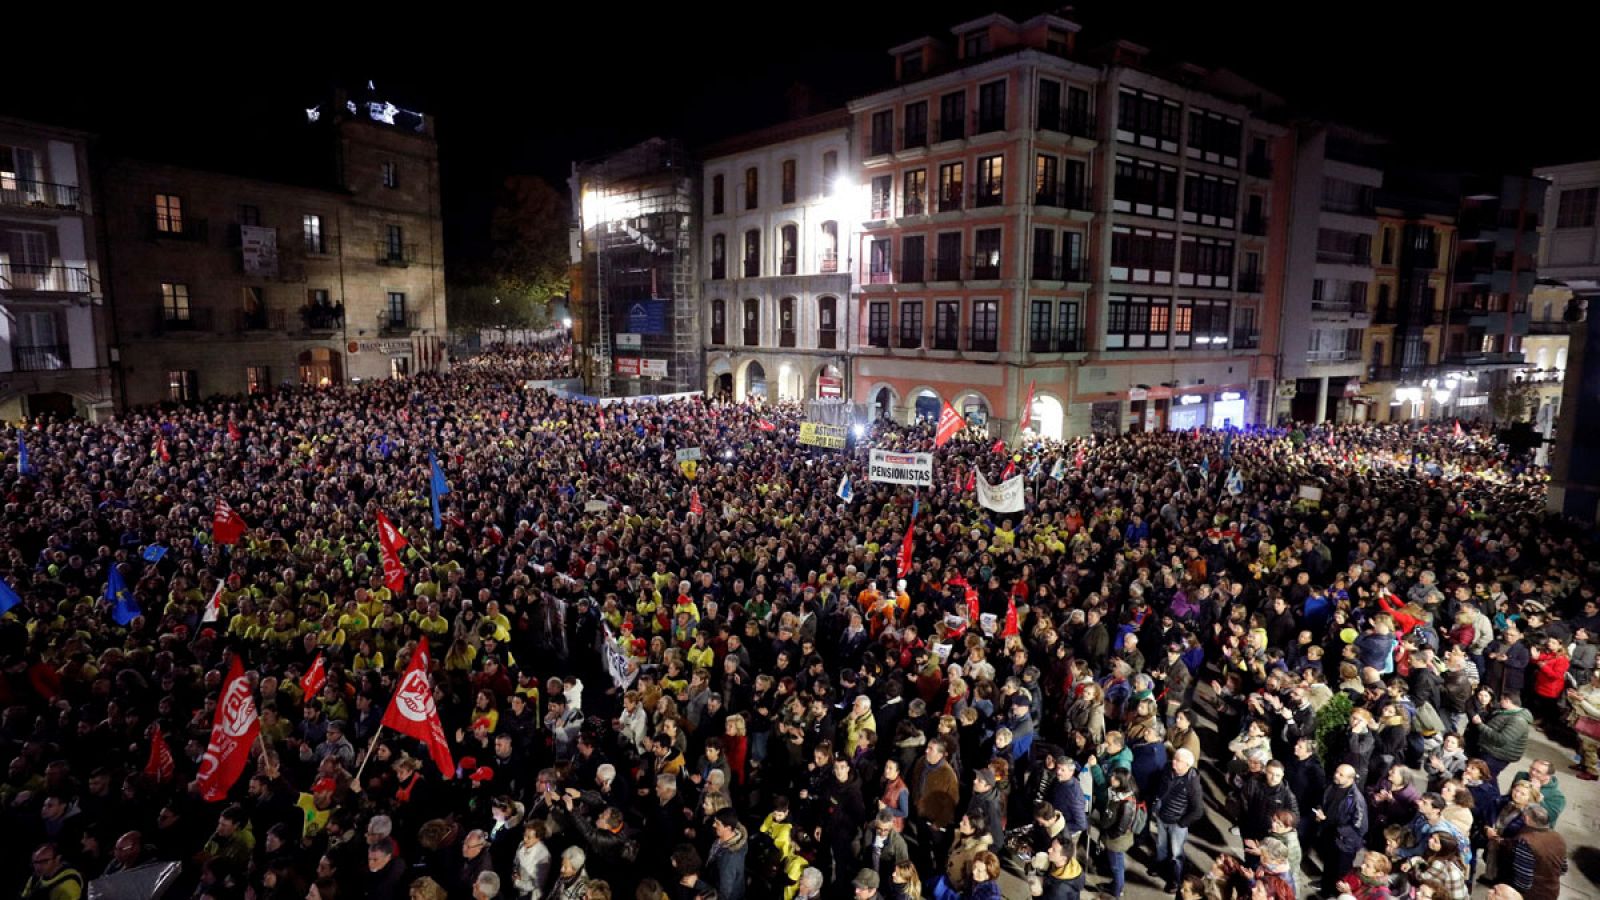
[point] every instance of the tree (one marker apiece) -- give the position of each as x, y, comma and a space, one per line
485, 304
527, 265
1511, 401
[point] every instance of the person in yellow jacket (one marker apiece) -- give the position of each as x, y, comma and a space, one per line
857, 723
778, 827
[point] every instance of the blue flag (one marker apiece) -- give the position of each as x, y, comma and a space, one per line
1227, 445
154, 553
23, 466
1205, 466
125, 608
1235, 483
847, 491
385, 446
437, 487
8, 597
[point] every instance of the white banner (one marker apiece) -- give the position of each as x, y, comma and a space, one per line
258, 250
628, 341
686, 454
1004, 497
652, 368
901, 468
617, 662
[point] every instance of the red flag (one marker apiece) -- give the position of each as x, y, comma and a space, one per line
233, 431
213, 606
1027, 408
764, 425
412, 711
226, 526
972, 480
235, 729
161, 447
1011, 626
392, 542
161, 765
974, 612
694, 502
311, 683
600, 418
1077, 458
1458, 428
950, 422
906, 544
999, 447
1011, 469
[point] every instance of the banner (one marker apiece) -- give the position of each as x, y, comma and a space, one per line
687, 453
591, 506
1004, 497
617, 662
1310, 492
628, 365
830, 386
628, 341
816, 434
647, 317
653, 368
901, 468
258, 248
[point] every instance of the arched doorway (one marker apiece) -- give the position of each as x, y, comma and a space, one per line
927, 406
883, 404
722, 388
830, 383
320, 367
974, 408
52, 405
1049, 419
755, 382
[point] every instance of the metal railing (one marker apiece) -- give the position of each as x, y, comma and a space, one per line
719, 269
395, 254
41, 358
984, 122
950, 129
829, 261
322, 318
41, 195
1076, 122
991, 194
1246, 340
1057, 342
985, 267
186, 321
396, 321
45, 279
880, 274
1062, 196
827, 338
1345, 257
912, 138
947, 268
881, 143
913, 270
950, 198
914, 205
1324, 356
788, 265
882, 208
1058, 268
260, 320
983, 345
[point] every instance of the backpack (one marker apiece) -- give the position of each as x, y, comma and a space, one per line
1141, 818
1124, 816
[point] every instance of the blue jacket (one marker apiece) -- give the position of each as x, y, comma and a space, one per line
1067, 797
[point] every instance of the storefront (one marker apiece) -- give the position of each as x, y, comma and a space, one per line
1187, 411
1227, 410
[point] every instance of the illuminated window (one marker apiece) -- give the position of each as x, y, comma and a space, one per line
183, 385
175, 302
257, 380
391, 175
316, 242
169, 213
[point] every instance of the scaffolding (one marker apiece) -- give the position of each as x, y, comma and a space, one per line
639, 216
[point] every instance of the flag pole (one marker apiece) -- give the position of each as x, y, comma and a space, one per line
371, 746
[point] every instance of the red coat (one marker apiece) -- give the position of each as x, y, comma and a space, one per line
1550, 675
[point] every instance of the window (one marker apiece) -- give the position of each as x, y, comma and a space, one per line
947, 262
946, 324
397, 309
394, 245
719, 322
914, 194
1050, 105
1346, 247
829, 260
1145, 188
992, 106
878, 323
827, 323
1209, 322
169, 214
950, 187
719, 256
254, 309
752, 322
1046, 266
1041, 327
751, 185
315, 241
37, 344
879, 262
912, 254
882, 132
911, 324
986, 253
1137, 322
1214, 138
985, 326
788, 181
175, 302
717, 206
249, 215
975, 44
1046, 180
1576, 208
1072, 256
789, 245
1148, 120
183, 386
752, 254
1205, 262
19, 170
953, 117
1338, 295
1209, 200
916, 125
786, 325
911, 65
991, 180
1142, 255
882, 196
830, 168
1069, 338
257, 380
1386, 254
1342, 196
391, 175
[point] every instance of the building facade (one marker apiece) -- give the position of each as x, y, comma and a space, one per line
1088, 230
777, 240
54, 333
1569, 272
223, 284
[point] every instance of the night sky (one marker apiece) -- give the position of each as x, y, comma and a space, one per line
1506, 89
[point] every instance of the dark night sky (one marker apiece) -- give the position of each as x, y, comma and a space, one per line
1505, 89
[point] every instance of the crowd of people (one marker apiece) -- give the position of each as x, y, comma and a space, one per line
734, 680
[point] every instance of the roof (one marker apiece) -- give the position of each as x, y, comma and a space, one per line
832, 120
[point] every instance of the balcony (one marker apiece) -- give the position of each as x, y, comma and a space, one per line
259, 320
947, 268
1246, 340
828, 263
398, 321
1074, 122
1332, 356
399, 255
1352, 308
161, 227
990, 195
719, 335
909, 339
913, 271
1062, 196
752, 336
1257, 166
984, 122
944, 340
878, 337
41, 195
912, 138
827, 338
752, 267
187, 321
1065, 342
1250, 282
788, 265
914, 205
953, 129
1348, 208
983, 345
1482, 360
1057, 268
41, 358
786, 337
882, 207
1345, 257
880, 274
985, 267
1255, 225
950, 198
881, 143
322, 318
23, 278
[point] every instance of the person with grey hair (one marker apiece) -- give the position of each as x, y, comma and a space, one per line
475, 859
379, 829
487, 887
810, 887
574, 879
